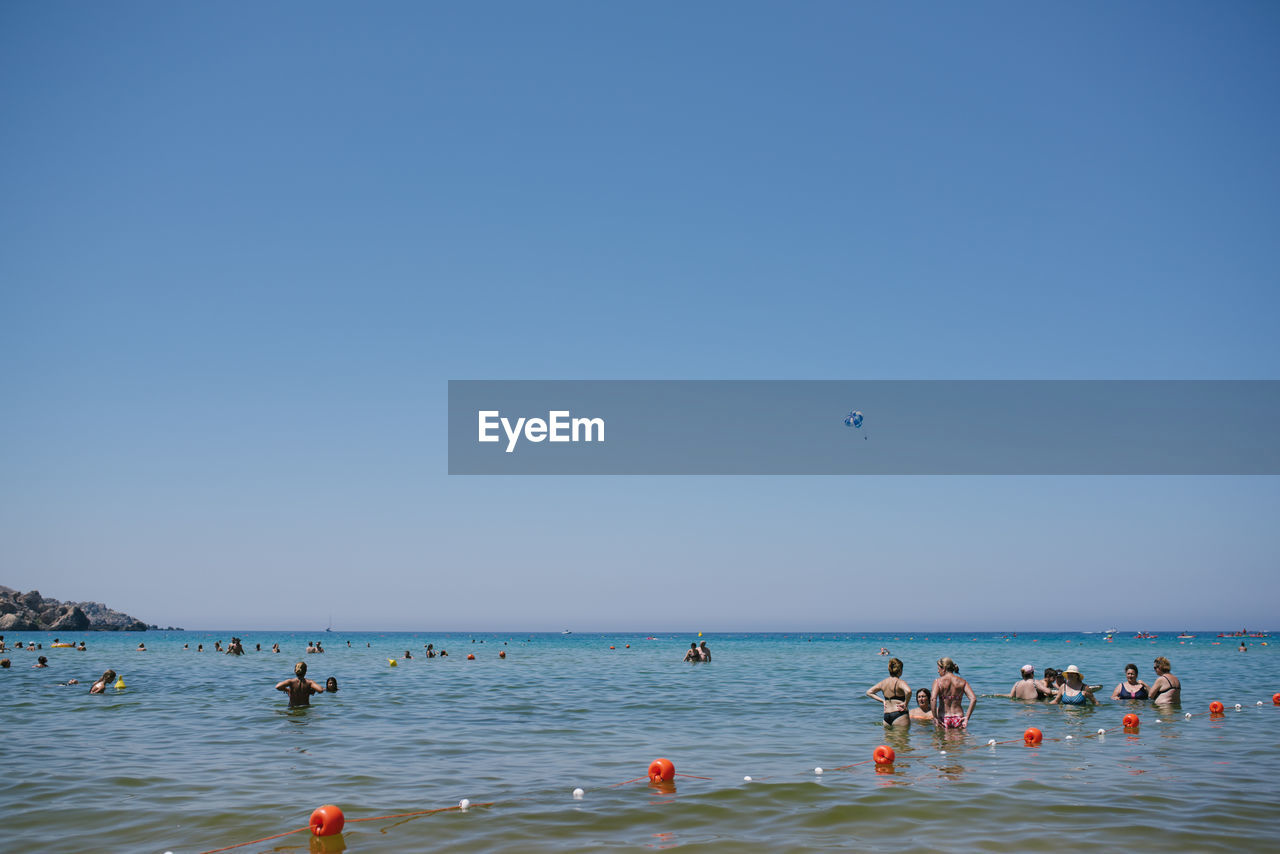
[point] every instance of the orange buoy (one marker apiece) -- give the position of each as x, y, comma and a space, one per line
502, 653
1032, 736
327, 820
628, 646
884, 755
1130, 721
662, 771
471, 656
613, 647
1275, 699
1215, 708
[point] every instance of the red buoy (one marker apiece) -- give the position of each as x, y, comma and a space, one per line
1215, 708
1275, 699
471, 656
502, 654
662, 771
1032, 736
1131, 721
884, 755
327, 820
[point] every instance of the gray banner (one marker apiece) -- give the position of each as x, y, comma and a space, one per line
900, 427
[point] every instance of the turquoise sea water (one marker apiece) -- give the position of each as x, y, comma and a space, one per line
199, 752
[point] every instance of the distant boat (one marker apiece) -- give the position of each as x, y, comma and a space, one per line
566, 632
1186, 635
330, 628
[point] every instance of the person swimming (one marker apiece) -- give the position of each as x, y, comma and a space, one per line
101, 685
299, 688
895, 695
923, 712
331, 685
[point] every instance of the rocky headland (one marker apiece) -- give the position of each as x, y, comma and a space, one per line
32, 612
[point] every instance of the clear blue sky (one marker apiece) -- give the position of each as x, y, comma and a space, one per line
243, 248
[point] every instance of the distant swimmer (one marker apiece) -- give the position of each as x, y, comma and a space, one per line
703, 652
199, 647
1132, 688
1073, 691
331, 685
883, 651
81, 647
949, 691
101, 685
235, 647
1026, 688
142, 647
275, 647
1243, 648
443, 652
41, 662
300, 688
5, 663
923, 712
431, 651
895, 695
408, 654
311, 647
692, 654
1167, 689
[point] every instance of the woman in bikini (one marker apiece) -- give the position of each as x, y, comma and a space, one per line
1167, 689
1073, 691
1132, 688
894, 694
949, 691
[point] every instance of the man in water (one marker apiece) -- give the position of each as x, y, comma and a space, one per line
300, 688
703, 653
1026, 688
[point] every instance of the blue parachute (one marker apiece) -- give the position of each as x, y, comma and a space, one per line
853, 419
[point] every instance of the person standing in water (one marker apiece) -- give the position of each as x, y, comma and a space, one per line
949, 691
1167, 689
300, 688
102, 684
895, 694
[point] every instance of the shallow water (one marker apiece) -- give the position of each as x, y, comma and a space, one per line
199, 751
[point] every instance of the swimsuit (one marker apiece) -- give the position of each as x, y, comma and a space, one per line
1076, 699
890, 717
953, 721
1140, 694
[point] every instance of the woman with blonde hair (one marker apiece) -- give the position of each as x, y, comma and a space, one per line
949, 691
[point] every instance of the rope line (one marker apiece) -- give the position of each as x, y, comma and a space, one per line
906, 754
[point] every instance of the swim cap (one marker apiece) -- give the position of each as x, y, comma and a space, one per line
1027, 668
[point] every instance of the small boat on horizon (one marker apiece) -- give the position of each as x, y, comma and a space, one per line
566, 632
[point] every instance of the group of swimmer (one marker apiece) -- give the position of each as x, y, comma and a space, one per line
942, 704
697, 652
300, 688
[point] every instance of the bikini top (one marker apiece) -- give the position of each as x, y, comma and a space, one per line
1140, 694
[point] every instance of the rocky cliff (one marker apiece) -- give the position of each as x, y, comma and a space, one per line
35, 613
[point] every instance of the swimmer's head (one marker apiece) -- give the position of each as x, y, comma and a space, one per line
924, 698
331, 684
107, 676
948, 665
300, 670
1131, 668
4, 662
1028, 670
1163, 665
895, 667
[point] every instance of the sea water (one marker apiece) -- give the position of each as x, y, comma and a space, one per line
200, 752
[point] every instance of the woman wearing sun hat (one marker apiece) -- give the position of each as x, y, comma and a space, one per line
1074, 692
